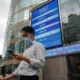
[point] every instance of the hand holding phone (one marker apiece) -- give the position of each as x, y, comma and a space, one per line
11, 52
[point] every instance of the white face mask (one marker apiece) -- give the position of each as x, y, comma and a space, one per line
27, 40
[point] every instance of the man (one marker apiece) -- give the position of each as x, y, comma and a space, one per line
33, 57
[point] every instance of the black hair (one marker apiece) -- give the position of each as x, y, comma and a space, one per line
28, 29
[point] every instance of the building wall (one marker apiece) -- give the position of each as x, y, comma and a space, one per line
18, 18
56, 69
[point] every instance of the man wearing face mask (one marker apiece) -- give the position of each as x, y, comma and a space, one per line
33, 57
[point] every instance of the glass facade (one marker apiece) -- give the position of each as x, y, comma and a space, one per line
23, 15
18, 18
70, 16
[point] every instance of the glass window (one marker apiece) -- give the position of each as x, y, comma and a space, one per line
12, 36
25, 3
9, 35
4, 51
62, 1
21, 16
21, 47
12, 46
17, 6
41, 1
16, 18
70, 17
17, 43
68, 7
35, 1
19, 34
38, 1
26, 14
6, 55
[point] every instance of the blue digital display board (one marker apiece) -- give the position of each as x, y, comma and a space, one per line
46, 22
63, 50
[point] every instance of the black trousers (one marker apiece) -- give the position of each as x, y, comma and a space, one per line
29, 77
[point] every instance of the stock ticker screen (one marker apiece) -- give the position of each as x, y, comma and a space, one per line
65, 50
46, 22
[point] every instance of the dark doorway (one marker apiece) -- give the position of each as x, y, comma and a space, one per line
73, 62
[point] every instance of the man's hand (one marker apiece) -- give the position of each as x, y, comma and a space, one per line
10, 51
5, 78
8, 77
19, 56
22, 57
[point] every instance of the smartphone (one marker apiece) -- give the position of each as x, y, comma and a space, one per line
11, 52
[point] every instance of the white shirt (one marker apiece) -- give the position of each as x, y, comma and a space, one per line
36, 54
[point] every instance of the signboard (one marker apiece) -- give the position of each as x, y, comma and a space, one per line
46, 22
63, 50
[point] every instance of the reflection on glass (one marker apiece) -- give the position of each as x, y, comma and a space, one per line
17, 43
19, 34
15, 18
21, 46
17, 7
9, 35
70, 17
7, 55
24, 15
20, 16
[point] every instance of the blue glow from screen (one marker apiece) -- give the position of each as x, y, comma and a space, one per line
46, 22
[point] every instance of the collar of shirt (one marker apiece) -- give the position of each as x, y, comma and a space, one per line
29, 45
34, 41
